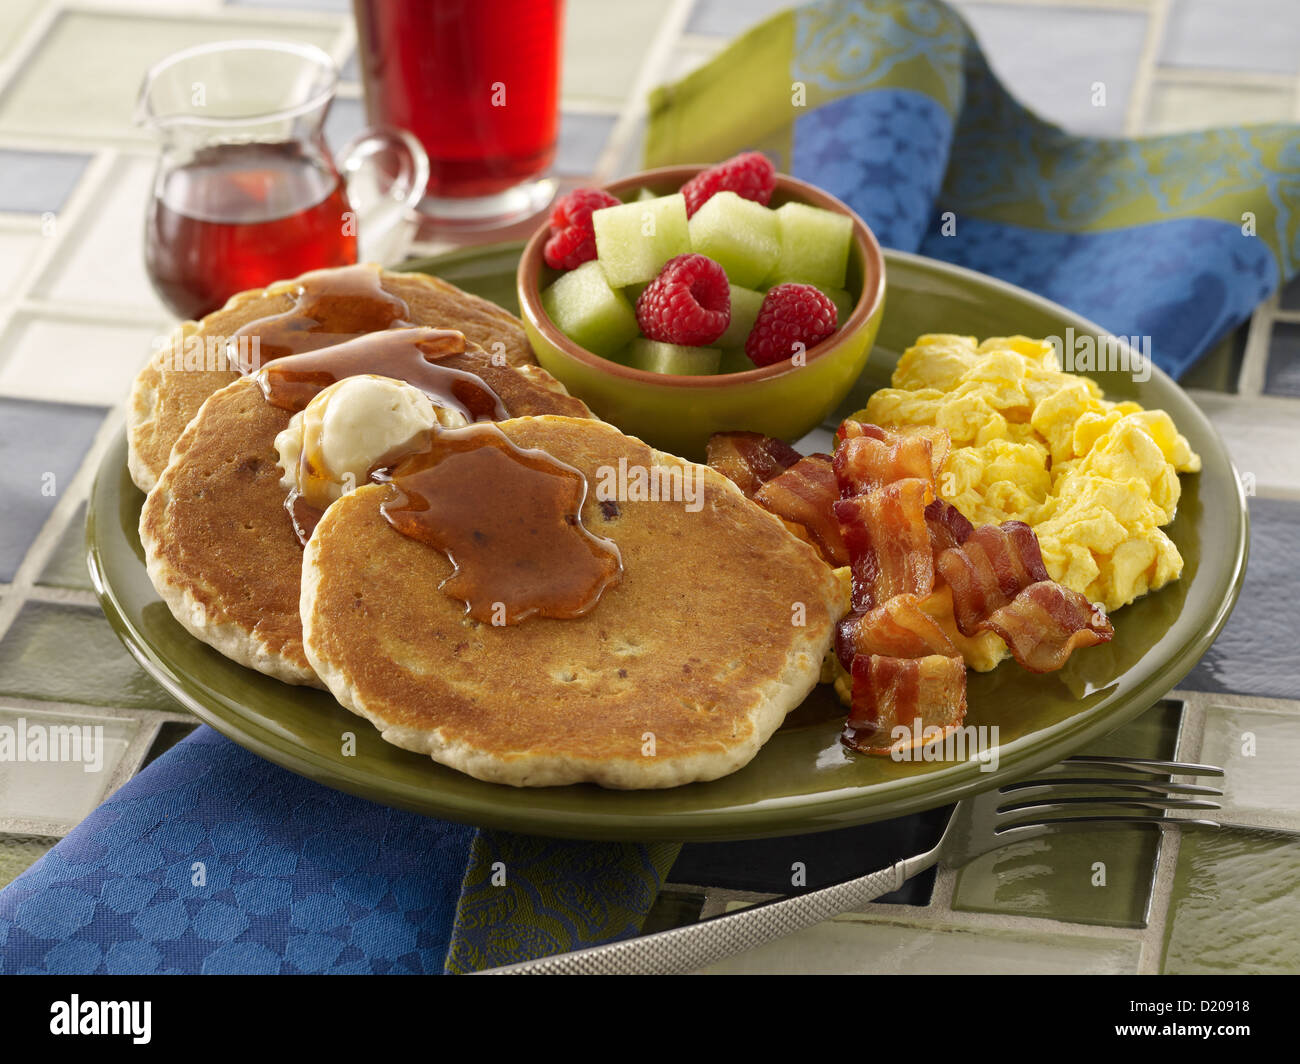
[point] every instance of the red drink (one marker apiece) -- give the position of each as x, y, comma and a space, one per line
476, 81
239, 216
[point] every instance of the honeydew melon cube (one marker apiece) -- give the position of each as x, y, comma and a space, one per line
734, 360
642, 195
634, 240
745, 305
588, 311
738, 234
659, 357
844, 304
814, 245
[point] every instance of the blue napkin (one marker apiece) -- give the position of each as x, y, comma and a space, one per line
214, 861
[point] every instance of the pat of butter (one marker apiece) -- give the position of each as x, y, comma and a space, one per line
350, 427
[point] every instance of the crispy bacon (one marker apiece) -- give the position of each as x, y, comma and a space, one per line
749, 459
799, 490
948, 526
940, 441
889, 691
989, 569
805, 494
888, 542
901, 541
864, 462
898, 628
1045, 623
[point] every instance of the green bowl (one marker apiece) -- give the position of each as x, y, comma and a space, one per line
680, 413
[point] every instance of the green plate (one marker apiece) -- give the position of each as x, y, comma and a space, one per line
802, 780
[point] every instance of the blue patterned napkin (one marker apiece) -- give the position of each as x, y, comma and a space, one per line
214, 861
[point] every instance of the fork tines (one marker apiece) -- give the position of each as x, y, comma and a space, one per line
1145, 764
1147, 796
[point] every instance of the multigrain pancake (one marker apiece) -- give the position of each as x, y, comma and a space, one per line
220, 546
681, 672
166, 395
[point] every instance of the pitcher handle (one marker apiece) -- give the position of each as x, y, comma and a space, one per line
386, 171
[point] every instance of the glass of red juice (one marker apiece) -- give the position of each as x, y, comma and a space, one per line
246, 192
477, 82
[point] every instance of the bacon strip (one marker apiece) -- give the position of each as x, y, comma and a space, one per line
799, 490
865, 462
898, 628
902, 542
888, 542
948, 526
989, 569
805, 494
889, 691
1046, 623
940, 441
749, 459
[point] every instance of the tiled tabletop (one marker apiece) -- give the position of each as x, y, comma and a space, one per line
77, 317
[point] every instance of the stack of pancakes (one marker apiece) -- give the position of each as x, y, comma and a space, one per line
680, 673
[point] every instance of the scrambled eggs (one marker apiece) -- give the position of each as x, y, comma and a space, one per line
1096, 480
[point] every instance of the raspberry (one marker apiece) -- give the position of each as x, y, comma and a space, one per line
791, 314
573, 240
749, 175
689, 302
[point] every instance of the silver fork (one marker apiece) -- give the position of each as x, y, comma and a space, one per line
1015, 812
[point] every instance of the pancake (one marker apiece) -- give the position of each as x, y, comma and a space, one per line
219, 545
696, 644
164, 397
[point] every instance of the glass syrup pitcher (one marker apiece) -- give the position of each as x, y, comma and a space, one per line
246, 192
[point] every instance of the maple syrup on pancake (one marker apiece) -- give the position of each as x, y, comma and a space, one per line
329, 309
509, 521
410, 355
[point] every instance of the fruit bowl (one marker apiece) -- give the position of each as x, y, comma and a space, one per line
678, 413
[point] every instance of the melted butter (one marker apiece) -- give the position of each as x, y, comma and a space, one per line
508, 519
409, 355
313, 483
